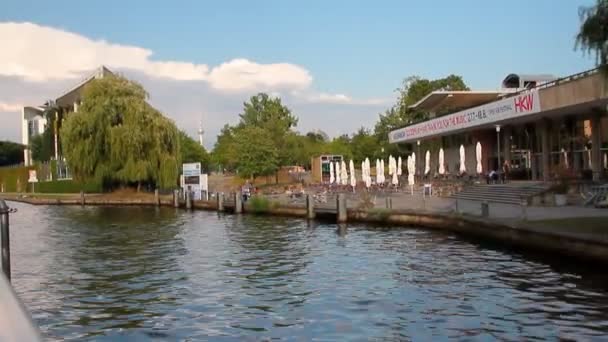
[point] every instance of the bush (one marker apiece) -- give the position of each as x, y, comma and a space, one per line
14, 179
259, 204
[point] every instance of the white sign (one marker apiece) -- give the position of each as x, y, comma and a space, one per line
191, 169
523, 104
33, 178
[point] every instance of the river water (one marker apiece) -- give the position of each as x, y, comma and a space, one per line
105, 273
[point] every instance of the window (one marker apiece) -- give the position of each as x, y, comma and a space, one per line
32, 127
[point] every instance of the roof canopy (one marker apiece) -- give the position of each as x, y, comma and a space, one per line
457, 99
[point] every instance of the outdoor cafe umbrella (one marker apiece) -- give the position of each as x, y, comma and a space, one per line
478, 155
378, 180
395, 180
353, 180
463, 167
383, 178
427, 162
410, 173
390, 165
441, 162
399, 167
368, 173
344, 175
565, 158
332, 178
337, 168
414, 162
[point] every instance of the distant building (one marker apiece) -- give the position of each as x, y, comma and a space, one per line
541, 125
34, 123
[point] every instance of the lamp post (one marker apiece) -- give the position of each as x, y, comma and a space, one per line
498, 145
418, 156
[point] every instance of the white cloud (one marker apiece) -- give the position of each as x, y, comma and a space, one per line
10, 107
67, 55
38, 62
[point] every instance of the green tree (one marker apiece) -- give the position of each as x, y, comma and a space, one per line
192, 151
593, 33
340, 145
11, 153
256, 153
117, 138
364, 145
41, 146
224, 151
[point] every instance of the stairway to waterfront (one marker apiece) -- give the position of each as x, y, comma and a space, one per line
510, 193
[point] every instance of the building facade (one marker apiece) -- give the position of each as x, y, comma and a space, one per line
34, 118
542, 126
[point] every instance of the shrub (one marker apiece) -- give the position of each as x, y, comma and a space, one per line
67, 186
259, 204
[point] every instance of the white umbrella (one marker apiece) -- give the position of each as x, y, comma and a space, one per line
353, 180
344, 173
427, 162
441, 162
390, 165
463, 167
378, 179
337, 168
368, 173
478, 155
383, 177
410, 173
363, 175
395, 180
565, 158
399, 167
332, 179
414, 161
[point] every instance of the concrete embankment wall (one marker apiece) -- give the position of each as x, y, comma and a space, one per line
552, 243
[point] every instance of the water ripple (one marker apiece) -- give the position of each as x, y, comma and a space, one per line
144, 273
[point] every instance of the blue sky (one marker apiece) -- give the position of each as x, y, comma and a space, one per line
359, 48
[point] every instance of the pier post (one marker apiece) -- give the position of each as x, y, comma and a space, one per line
220, 201
82, 198
485, 209
238, 203
310, 207
341, 209
188, 200
389, 203
5, 239
156, 198
176, 198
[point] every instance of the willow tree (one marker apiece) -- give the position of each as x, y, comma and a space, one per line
593, 33
117, 138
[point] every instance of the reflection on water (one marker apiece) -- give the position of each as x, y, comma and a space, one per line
141, 273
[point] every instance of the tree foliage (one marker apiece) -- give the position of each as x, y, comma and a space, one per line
192, 151
11, 153
593, 33
257, 154
117, 138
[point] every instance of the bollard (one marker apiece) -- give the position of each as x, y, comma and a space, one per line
176, 198
485, 209
310, 207
524, 209
188, 200
341, 208
81, 197
156, 197
5, 240
220, 201
386, 200
457, 205
238, 203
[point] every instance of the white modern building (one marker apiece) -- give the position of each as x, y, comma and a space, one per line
34, 122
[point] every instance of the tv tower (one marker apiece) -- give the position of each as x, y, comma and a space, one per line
200, 133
